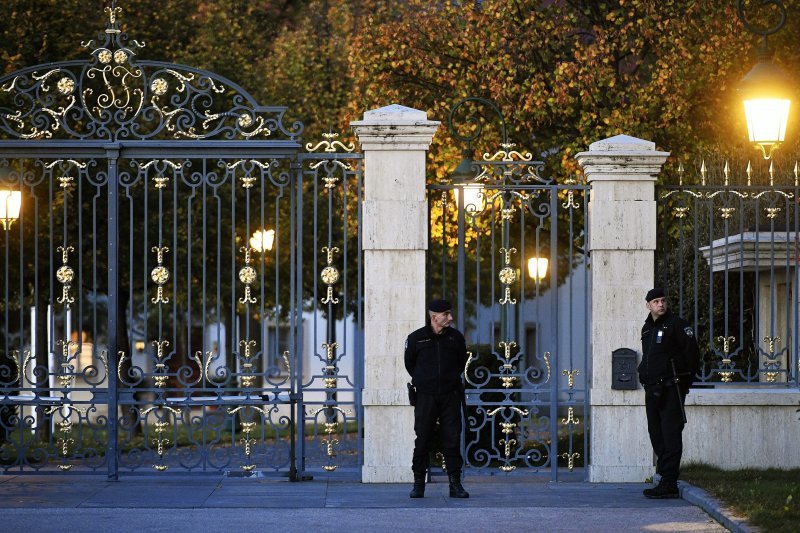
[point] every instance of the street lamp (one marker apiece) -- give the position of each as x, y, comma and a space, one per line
766, 90
262, 240
464, 177
537, 268
10, 203
474, 197
464, 174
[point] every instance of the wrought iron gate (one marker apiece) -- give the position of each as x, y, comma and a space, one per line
728, 256
509, 247
181, 281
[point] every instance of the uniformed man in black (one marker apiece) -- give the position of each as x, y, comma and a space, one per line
670, 360
435, 357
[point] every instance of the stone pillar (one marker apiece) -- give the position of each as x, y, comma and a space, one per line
622, 171
395, 140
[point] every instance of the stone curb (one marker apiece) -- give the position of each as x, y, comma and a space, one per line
724, 515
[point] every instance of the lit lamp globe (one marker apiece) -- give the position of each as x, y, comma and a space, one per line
474, 199
10, 203
537, 268
766, 92
463, 175
262, 240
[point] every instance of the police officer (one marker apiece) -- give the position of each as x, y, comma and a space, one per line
670, 360
435, 357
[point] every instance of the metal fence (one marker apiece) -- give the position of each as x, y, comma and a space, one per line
181, 280
728, 256
509, 249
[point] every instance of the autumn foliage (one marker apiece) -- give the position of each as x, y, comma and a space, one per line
564, 73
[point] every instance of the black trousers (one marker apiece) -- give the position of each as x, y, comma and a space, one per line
446, 408
665, 426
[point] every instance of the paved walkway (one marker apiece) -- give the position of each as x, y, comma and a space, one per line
199, 504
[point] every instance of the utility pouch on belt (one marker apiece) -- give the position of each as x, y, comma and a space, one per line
412, 394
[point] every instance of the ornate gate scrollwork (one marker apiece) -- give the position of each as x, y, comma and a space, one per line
728, 264
178, 262
512, 256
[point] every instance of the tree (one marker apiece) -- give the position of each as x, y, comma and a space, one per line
568, 73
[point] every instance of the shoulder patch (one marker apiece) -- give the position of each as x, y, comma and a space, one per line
688, 331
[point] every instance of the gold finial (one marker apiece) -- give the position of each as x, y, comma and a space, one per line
507, 346
703, 173
571, 376
65, 250
749, 172
159, 251
796, 172
771, 341
246, 250
771, 174
247, 344
726, 171
330, 349
506, 253
726, 343
329, 253
680, 174
112, 13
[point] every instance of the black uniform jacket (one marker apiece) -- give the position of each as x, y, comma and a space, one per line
436, 362
668, 338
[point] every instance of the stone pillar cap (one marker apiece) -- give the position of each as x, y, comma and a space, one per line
394, 114
622, 143
395, 128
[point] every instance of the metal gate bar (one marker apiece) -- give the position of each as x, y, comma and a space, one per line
533, 378
731, 263
208, 364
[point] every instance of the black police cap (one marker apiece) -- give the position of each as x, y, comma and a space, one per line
652, 294
439, 306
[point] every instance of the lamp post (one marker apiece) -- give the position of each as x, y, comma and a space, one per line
502, 172
470, 191
10, 203
766, 90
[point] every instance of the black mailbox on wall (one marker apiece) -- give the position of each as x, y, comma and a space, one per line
623, 369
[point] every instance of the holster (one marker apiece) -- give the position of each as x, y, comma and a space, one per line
412, 394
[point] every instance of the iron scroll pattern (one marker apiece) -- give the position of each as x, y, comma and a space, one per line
114, 96
223, 403
210, 370
525, 395
727, 255
332, 176
213, 377
53, 414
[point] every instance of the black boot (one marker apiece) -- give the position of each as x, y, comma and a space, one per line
456, 489
664, 490
418, 491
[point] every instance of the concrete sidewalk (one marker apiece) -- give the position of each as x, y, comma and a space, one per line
199, 504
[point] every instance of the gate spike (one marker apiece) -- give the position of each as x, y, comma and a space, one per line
771, 174
726, 172
749, 172
796, 172
703, 173
680, 174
